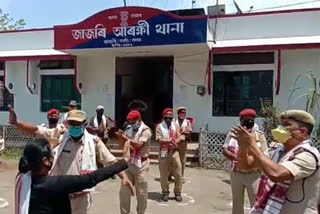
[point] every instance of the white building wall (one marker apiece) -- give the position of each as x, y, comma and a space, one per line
192, 70
26, 105
29, 40
267, 26
99, 83
295, 63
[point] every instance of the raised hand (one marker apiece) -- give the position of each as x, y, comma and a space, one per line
243, 136
12, 116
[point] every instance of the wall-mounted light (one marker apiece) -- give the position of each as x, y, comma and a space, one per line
10, 86
80, 85
201, 90
33, 86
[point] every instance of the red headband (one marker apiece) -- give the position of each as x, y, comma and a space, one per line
248, 112
52, 112
166, 111
133, 115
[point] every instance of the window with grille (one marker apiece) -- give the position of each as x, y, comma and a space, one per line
6, 97
57, 91
56, 64
241, 81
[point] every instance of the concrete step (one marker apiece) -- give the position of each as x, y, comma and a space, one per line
192, 159
192, 152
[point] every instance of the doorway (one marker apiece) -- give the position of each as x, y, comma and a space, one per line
146, 84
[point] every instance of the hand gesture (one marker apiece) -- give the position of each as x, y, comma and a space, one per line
173, 144
243, 136
127, 182
12, 116
121, 137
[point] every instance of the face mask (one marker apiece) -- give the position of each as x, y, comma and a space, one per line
281, 134
135, 125
168, 119
99, 113
76, 131
248, 123
53, 120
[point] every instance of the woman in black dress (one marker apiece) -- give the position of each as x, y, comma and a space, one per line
39, 193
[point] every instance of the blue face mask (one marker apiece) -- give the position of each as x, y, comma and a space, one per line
136, 125
76, 131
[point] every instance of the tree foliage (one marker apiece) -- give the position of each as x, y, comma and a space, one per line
7, 23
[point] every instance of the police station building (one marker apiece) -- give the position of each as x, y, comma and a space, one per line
213, 65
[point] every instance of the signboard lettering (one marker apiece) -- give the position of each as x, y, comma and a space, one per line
131, 26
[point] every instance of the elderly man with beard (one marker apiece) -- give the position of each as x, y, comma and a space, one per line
168, 136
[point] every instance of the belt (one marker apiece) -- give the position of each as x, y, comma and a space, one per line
77, 194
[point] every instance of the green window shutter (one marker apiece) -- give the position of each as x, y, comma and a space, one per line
57, 91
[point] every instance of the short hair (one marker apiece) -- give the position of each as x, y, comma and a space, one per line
308, 126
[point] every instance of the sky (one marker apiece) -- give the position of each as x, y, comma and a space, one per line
44, 13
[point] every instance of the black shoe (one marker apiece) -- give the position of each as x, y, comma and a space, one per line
178, 198
165, 197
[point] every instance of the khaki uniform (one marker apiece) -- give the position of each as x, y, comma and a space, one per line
244, 177
138, 176
69, 163
54, 135
302, 167
170, 165
183, 145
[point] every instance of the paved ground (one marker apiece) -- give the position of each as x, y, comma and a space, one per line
206, 191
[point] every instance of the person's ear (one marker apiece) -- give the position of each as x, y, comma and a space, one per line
304, 131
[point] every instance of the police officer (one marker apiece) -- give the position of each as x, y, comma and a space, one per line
78, 153
185, 129
290, 181
242, 175
167, 135
138, 136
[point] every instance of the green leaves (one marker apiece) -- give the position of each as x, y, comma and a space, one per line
7, 23
312, 97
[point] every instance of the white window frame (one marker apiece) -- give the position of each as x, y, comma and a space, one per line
57, 72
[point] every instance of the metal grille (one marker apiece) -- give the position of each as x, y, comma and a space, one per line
14, 137
211, 149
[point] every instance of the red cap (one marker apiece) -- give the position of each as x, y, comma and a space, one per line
52, 112
166, 111
133, 115
248, 112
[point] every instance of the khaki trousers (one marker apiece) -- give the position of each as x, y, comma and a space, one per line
81, 204
183, 145
139, 179
171, 165
240, 182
